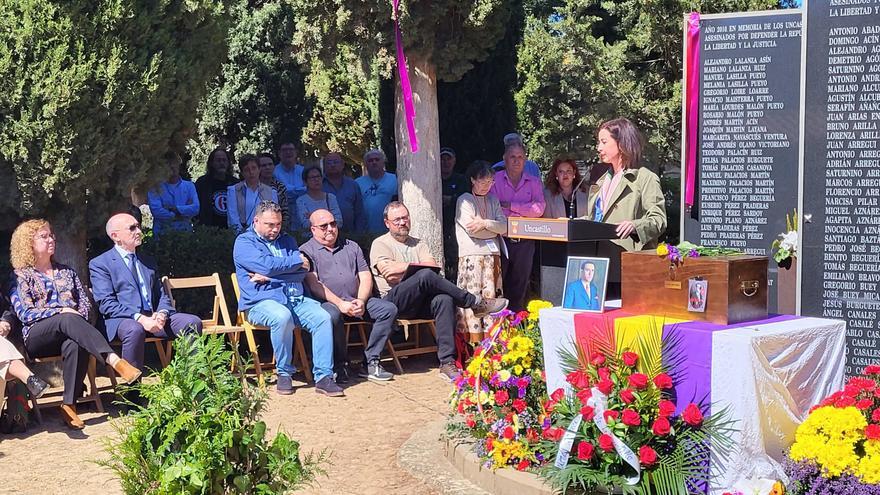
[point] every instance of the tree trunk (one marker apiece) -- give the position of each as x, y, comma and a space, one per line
70, 241
419, 173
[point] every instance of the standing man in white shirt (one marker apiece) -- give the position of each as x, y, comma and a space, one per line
289, 172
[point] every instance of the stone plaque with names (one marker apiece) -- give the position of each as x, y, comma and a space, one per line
748, 132
840, 257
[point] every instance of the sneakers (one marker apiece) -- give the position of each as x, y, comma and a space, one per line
284, 385
374, 372
36, 386
449, 371
328, 387
483, 307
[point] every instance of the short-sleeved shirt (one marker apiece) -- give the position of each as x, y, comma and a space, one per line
351, 203
377, 194
386, 248
337, 268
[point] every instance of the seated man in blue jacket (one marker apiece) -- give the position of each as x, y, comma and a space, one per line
583, 293
130, 295
270, 273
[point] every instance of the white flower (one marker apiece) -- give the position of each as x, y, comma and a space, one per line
789, 241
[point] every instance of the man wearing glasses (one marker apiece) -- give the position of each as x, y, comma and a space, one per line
270, 272
378, 188
130, 296
406, 275
340, 277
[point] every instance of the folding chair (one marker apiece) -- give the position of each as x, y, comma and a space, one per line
361, 327
299, 351
415, 348
55, 397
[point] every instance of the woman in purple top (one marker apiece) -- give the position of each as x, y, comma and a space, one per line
521, 195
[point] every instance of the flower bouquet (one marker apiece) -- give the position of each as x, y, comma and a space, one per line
837, 448
498, 399
619, 429
785, 247
676, 254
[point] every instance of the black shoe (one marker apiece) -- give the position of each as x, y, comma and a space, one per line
36, 386
328, 387
284, 385
343, 373
374, 372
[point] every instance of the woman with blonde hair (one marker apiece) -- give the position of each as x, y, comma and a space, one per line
53, 307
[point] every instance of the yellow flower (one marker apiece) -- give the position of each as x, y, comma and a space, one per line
662, 249
829, 437
535, 306
504, 375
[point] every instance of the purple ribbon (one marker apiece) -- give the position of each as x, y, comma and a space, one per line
692, 106
408, 107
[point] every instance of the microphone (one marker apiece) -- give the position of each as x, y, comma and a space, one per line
573, 213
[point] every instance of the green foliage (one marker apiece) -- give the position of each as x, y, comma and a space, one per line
346, 108
92, 93
258, 99
201, 433
592, 61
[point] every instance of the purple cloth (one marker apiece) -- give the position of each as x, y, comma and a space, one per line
693, 360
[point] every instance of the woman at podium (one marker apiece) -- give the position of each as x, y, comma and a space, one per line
628, 195
560, 195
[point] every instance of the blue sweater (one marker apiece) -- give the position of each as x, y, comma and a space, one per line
251, 254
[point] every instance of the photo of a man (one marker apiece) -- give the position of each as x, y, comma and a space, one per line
585, 287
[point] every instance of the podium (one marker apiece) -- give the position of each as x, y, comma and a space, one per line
560, 238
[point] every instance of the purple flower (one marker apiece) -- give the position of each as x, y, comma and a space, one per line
693, 253
806, 479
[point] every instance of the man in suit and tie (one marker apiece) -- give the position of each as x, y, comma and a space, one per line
130, 295
583, 293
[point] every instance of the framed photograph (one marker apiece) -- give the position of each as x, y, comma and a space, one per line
586, 280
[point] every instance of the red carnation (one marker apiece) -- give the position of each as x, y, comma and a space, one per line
666, 407
557, 395
845, 401
578, 379
875, 416
631, 418
523, 465
660, 427
585, 451
630, 358
501, 397
872, 432
611, 414
588, 412
692, 415
490, 442
627, 396
663, 381
508, 433
606, 443
605, 386
864, 404
638, 381
470, 422
877, 392
597, 359
873, 369
647, 456
851, 390
519, 405
584, 395
604, 373
554, 434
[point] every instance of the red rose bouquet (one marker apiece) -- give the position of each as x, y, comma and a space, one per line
618, 427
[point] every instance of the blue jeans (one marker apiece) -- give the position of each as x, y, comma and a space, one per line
281, 320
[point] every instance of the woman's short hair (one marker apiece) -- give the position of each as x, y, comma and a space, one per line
552, 184
480, 169
245, 159
21, 247
309, 168
628, 138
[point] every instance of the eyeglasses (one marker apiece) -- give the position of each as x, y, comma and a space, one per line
399, 220
565, 172
131, 228
314, 177
326, 226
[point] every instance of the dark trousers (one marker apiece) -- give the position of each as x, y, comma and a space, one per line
516, 270
132, 335
428, 295
74, 338
381, 313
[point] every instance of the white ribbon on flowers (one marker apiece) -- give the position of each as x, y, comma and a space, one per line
599, 402
567, 440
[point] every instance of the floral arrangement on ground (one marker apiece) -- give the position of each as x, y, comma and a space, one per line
499, 398
619, 428
837, 448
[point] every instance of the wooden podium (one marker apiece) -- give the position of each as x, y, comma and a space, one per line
560, 238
